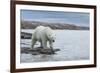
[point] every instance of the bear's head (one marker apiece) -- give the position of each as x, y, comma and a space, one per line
52, 37
50, 34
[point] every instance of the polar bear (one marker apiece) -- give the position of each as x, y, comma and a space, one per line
43, 34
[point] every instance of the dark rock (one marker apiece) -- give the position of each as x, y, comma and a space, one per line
38, 50
47, 51
35, 53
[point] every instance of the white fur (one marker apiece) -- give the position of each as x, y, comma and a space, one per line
43, 35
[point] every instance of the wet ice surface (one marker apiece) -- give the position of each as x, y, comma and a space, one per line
73, 45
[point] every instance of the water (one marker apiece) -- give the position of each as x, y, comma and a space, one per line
73, 45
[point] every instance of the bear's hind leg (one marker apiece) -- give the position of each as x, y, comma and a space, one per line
33, 43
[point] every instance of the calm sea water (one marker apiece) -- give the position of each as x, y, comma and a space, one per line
73, 45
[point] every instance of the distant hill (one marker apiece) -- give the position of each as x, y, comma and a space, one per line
34, 24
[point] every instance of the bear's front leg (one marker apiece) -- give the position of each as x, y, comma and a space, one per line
44, 44
41, 45
51, 46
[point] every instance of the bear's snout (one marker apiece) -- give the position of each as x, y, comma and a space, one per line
53, 40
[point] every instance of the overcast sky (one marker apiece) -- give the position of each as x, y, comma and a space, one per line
81, 19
